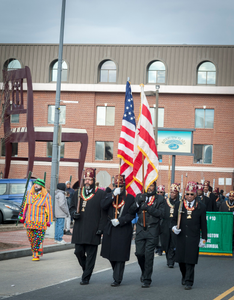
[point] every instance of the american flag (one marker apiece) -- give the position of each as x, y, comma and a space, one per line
145, 148
126, 143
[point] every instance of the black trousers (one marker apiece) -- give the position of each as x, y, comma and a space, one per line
170, 253
145, 246
118, 270
187, 271
86, 255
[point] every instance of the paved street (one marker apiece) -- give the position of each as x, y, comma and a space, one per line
57, 276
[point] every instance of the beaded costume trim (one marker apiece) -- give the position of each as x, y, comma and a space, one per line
86, 198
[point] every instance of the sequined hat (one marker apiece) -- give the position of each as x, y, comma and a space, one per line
119, 180
231, 194
89, 172
161, 188
200, 186
216, 190
206, 183
175, 188
191, 187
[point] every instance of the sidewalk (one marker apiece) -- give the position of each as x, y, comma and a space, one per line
14, 242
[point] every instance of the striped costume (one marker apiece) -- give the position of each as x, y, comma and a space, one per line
37, 213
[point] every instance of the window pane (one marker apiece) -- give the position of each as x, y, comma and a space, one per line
157, 65
15, 118
201, 77
104, 76
54, 75
161, 77
108, 65
108, 150
209, 118
17, 188
101, 115
161, 117
62, 118
152, 111
207, 66
211, 77
199, 118
14, 148
50, 149
112, 76
151, 76
208, 149
99, 151
13, 65
64, 75
198, 154
110, 116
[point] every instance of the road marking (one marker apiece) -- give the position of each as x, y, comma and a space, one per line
225, 294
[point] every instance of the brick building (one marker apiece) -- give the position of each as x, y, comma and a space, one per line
196, 91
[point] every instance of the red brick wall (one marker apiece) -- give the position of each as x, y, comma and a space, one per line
179, 112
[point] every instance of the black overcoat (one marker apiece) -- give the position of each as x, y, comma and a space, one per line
116, 241
166, 233
91, 219
187, 241
224, 208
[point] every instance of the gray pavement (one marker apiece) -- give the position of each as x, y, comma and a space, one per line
57, 276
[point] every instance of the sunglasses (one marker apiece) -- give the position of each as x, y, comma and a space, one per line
189, 194
160, 192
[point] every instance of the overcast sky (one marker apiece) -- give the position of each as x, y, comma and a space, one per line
118, 22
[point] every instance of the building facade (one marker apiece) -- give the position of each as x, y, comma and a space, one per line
196, 91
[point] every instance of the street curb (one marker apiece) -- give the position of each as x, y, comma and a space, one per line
27, 251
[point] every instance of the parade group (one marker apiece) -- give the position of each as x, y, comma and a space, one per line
178, 224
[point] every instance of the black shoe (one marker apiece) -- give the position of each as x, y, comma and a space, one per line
159, 253
115, 283
68, 232
84, 282
183, 281
187, 287
170, 266
145, 285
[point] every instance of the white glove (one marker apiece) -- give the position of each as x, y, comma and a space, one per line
176, 230
115, 222
202, 243
117, 191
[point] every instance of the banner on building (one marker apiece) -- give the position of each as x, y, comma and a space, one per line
220, 234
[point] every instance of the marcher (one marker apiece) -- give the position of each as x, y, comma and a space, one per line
89, 223
61, 212
192, 226
167, 236
150, 209
210, 195
37, 215
228, 206
202, 198
218, 197
117, 233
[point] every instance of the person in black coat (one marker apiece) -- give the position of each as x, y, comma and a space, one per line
150, 209
228, 206
167, 236
117, 233
192, 225
89, 223
203, 199
210, 195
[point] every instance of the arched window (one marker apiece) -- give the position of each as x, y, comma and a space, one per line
54, 71
12, 64
156, 72
108, 71
206, 73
